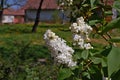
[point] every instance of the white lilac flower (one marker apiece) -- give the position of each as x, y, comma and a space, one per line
106, 78
59, 50
81, 32
64, 3
70, 2
88, 46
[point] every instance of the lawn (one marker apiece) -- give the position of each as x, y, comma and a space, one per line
24, 56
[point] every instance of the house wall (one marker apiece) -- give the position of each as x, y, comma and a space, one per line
12, 19
45, 15
19, 19
7, 19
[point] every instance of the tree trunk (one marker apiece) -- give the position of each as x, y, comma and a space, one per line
37, 17
1, 10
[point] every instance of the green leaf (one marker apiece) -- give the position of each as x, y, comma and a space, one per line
77, 79
116, 5
113, 61
86, 74
112, 25
106, 51
117, 39
108, 13
116, 76
74, 67
93, 22
93, 8
85, 54
85, 5
64, 73
96, 74
104, 62
92, 3
77, 55
96, 60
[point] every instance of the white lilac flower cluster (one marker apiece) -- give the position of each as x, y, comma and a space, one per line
81, 33
70, 2
106, 78
66, 2
59, 50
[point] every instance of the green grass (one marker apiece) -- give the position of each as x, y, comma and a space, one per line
23, 32
19, 34
21, 50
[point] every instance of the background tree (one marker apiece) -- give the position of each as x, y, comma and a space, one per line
1, 10
37, 17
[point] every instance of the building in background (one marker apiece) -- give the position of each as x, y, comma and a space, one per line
13, 16
27, 13
49, 12
49, 7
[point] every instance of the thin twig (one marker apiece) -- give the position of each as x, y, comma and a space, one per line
114, 44
102, 35
108, 35
85, 68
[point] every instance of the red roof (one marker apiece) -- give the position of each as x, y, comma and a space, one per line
10, 11
47, 4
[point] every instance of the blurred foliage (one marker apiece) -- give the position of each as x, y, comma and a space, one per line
23, 55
